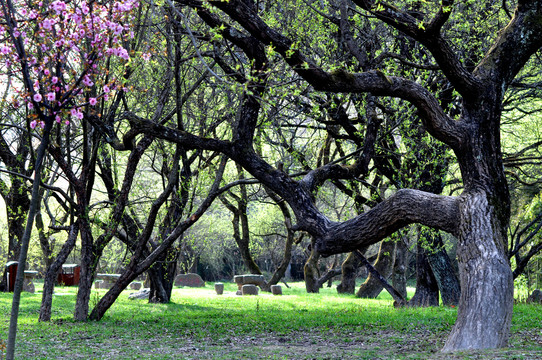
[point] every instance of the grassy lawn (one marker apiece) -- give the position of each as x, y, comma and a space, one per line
199, 324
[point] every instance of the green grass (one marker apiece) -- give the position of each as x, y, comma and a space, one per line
198, 324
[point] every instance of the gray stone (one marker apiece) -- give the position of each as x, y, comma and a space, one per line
136, 285
108, 280
249, 279
28, 283
98, 284
143, 294
535, 297
190, 280
238, 279
276, 290
253, 279
249, 289
219, 288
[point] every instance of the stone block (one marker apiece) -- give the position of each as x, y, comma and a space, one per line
253, 279
249, 289
98, 284
143, 294
136, 285
190, 280
219, 288
535, 297
276, 290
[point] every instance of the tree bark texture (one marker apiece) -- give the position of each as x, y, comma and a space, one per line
312, 273
162, 275
487, 291
349, 269
400, 266
51, 274
427, 293
444, 272
372, 286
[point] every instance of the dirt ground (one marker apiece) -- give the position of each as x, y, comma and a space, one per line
319, 345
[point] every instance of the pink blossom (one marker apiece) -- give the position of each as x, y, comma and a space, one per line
54, 79
51, 96
79, 115
4, 49
30, 106
46, 72
73, 112
57, 119
33, 124
67, 122
58, 6
87, 81
37, 97
146, 56
92, 101
106, 89
47, 24
124, 54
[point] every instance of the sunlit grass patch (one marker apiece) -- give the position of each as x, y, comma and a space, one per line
198, 323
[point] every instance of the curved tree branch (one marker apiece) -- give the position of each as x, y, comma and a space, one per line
516, 43
403, 208
435, 120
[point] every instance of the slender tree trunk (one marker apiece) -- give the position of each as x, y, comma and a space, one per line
89, 262
51, 274
290, 235
25, 240
487, 292
372, 287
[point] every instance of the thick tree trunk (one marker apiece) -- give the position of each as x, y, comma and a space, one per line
442, 267
349, 268
162, 275
372, 287
487, 292
400, 266
311, 272
426, 285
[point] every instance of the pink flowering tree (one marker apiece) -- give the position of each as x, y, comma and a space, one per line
53, 57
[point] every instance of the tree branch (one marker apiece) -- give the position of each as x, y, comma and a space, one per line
403, 208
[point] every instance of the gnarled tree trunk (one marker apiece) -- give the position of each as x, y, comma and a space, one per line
487, 291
